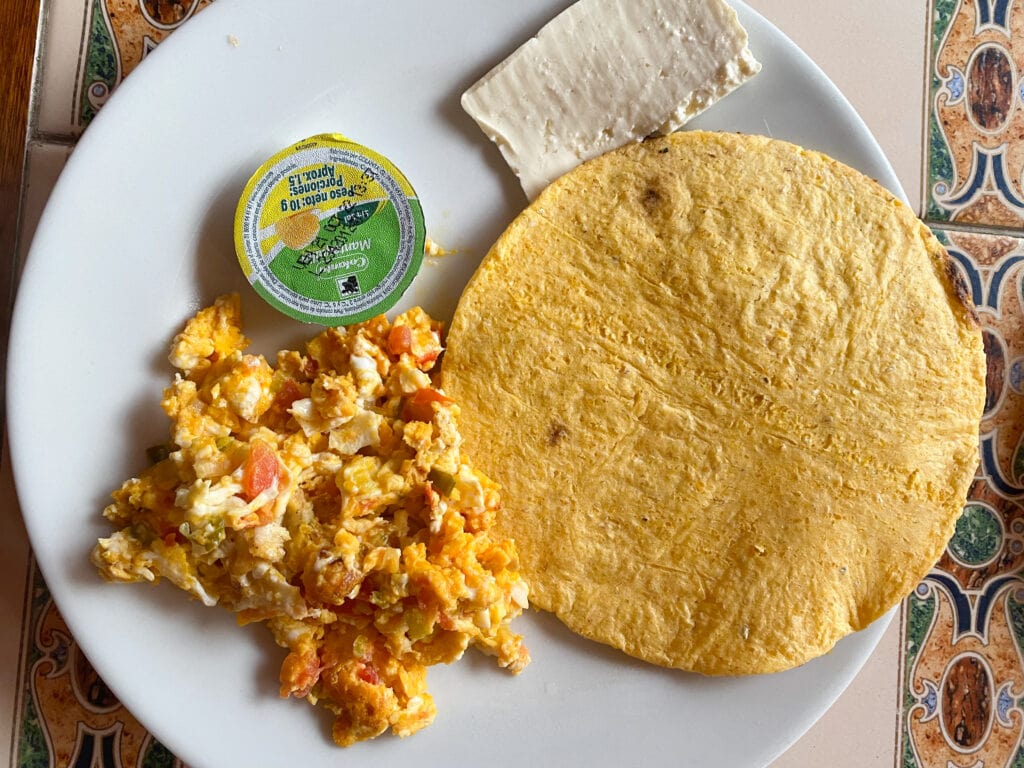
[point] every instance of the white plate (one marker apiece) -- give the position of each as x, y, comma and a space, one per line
137, 235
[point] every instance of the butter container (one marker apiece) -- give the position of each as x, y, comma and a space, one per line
329, 231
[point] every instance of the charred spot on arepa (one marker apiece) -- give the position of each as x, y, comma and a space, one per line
650, 199
961, 290
557, 431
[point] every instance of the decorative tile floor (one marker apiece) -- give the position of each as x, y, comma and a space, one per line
90, 46
67, 716
975, 156
959, 686
963, 672
964, 624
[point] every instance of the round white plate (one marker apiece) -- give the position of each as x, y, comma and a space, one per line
137, 235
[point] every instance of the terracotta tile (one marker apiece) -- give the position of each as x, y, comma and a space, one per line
975, 160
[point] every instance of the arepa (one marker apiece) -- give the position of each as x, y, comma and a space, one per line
731, 389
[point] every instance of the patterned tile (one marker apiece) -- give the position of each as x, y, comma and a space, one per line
90, 46
121, 33
963, 672
975, 155
66, 715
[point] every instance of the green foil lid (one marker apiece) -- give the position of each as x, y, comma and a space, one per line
329, 231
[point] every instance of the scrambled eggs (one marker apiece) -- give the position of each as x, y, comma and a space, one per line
328, 497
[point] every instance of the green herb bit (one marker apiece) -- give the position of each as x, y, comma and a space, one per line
443, 481
224, 442
157, 453
361, 647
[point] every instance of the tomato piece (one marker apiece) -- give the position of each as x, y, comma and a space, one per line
260, 471
400, 339
288, 394
368, 674
299, 673
427, 360
420, 406
443, 481
261, 516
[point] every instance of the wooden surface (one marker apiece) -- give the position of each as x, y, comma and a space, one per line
17, 50
18, 25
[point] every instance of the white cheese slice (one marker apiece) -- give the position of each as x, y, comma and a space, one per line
604, 73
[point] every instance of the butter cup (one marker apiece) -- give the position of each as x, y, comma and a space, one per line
329, 231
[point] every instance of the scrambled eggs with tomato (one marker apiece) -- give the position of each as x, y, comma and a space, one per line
327, 497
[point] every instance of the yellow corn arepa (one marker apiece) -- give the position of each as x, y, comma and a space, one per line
731, 389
